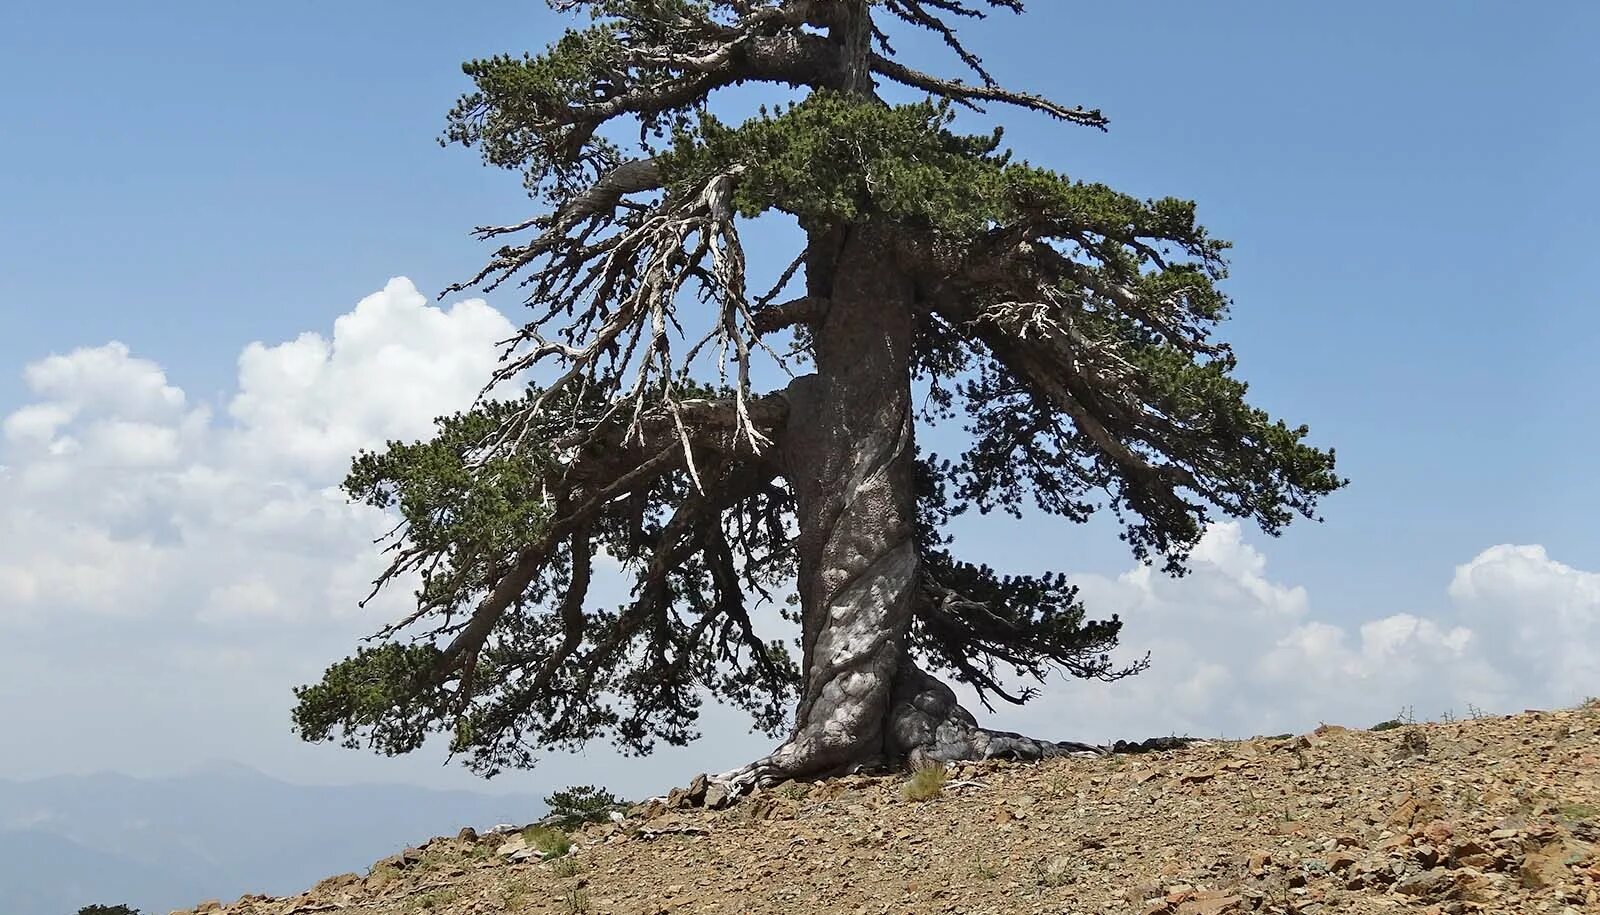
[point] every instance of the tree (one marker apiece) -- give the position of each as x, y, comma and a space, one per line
1070, 324
576, 805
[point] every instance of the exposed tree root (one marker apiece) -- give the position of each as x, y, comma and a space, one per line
925, 725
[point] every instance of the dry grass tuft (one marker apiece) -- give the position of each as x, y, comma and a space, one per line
927, 782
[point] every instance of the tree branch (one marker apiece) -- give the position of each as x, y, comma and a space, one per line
955, 90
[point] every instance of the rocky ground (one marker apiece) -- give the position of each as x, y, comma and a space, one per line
1485, 815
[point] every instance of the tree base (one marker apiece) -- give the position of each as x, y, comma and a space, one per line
925, 725
928, 725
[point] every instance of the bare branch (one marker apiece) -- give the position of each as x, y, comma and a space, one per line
957, 91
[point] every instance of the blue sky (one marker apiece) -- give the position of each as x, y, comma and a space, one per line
1410, 189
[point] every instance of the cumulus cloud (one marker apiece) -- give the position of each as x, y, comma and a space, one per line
1541, 615
392, 365
121, 497
1236, 653
209, 539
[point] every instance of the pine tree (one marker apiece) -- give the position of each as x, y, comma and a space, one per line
1070, 325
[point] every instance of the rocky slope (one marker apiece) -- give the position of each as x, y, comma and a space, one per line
1485, 815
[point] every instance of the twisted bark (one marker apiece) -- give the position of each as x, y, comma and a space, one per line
848, 454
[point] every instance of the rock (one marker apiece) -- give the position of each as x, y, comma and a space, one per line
512, 846
467, 834
1395, 843
764, 807
692, 796
1341, 861
333, 884
1425, 884
1211, 903
210, 905
1545, 866
717, 797
651, 832
1471, 854
649, 810
1438, 833
1414, 809
1311, 867
696, 792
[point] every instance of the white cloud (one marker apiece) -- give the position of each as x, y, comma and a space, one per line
108, 379
36, 424
121, 498
1236, 653
392, 365
1544, 616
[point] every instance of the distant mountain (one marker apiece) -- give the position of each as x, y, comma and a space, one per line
164, 843
43, 873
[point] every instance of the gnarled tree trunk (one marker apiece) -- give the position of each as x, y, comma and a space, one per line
849, 453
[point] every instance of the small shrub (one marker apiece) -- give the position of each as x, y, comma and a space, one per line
512, 894
427, 902
1389, 725
1413, 744
1053, 872
927, 782
576, 901
564, 867
1578, 812
577, 805
551, 842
